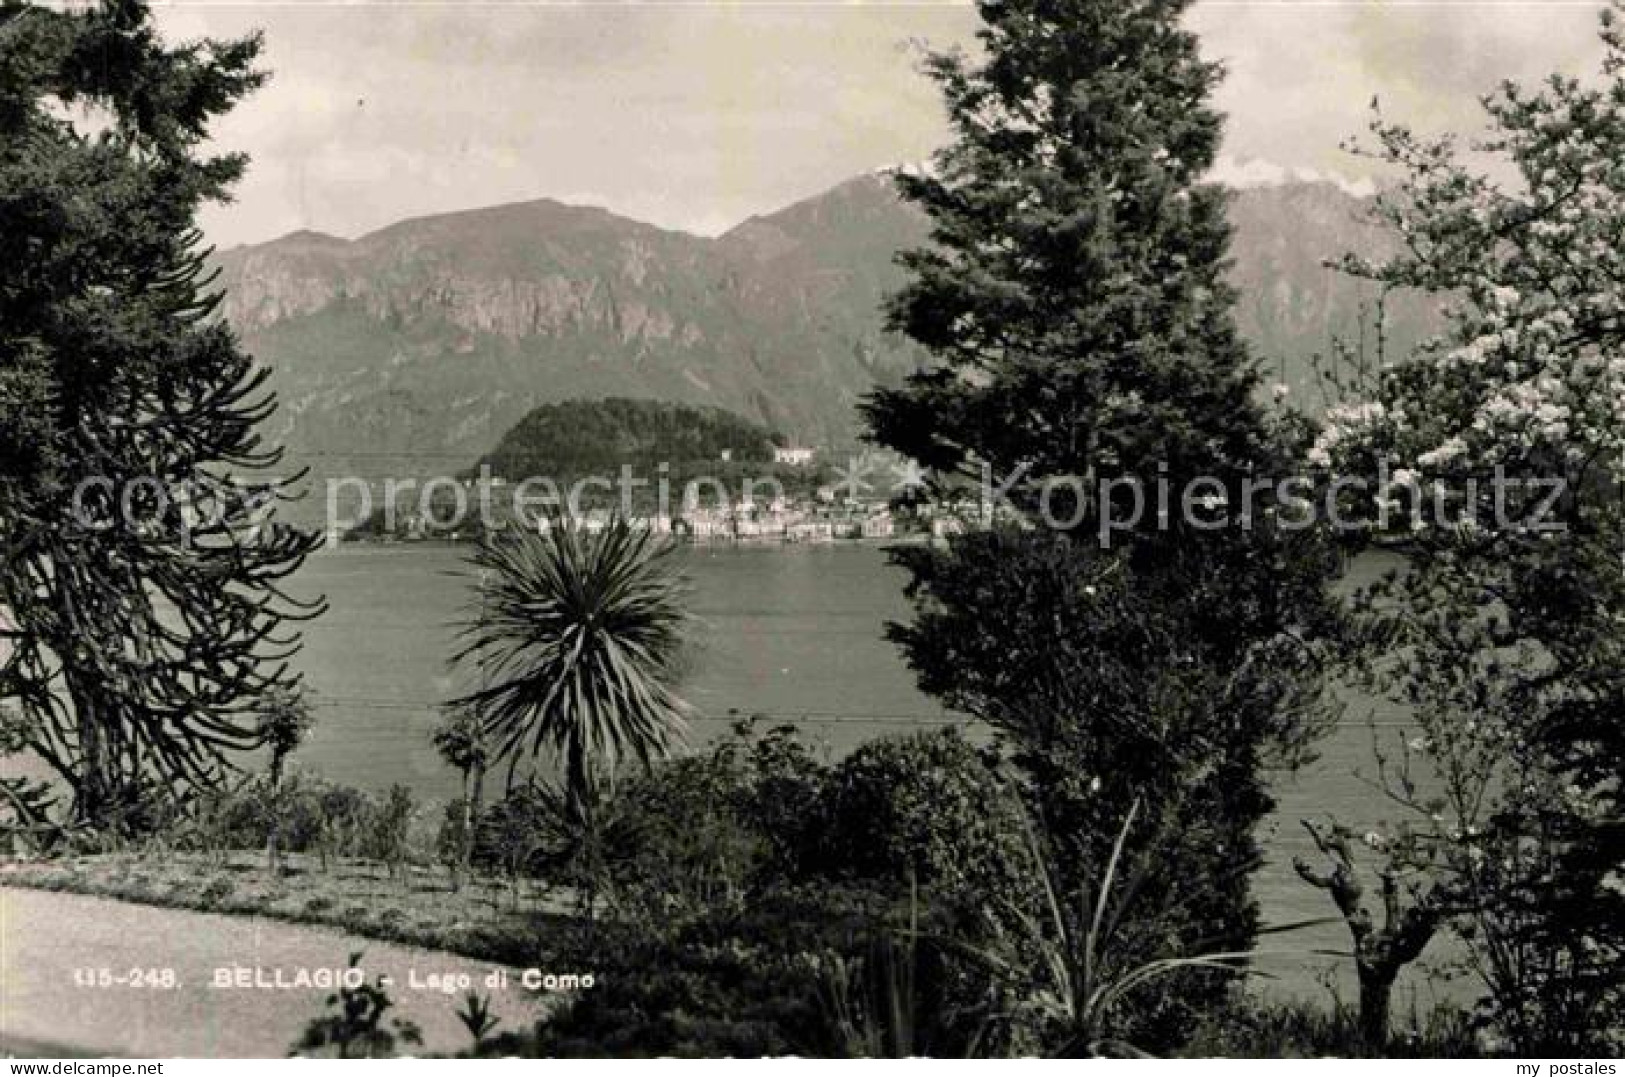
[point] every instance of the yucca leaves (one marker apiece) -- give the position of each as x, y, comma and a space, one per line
1082, 975
574, 645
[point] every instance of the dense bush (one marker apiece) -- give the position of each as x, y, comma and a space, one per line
711, 829
596, 437
387, 839
774, 978
930, 808
760, 901
679, 845
1105, 689
353, 1025
309, 815
346, 816
1273, 1029
778, 792
764, 901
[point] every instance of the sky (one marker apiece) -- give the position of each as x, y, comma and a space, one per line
695, 116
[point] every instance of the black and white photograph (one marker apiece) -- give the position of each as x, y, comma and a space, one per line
812, 529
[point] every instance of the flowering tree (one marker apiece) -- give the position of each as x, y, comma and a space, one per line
1506, 629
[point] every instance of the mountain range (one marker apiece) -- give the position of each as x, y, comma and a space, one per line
413, 349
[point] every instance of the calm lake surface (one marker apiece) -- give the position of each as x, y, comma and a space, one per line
795, 632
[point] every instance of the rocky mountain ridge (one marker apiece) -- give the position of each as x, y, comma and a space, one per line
413, 349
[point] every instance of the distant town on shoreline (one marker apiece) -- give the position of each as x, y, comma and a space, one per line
823, 505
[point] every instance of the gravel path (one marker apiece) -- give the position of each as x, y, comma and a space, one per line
48, 940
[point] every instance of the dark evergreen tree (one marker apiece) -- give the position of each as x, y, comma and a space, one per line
1075, 304
1075, 294
143, 569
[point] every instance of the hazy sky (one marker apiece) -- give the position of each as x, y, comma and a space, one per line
695, 116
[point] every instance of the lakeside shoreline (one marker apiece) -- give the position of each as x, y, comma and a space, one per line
913, 539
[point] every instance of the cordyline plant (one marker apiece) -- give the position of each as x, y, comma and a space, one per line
1070, 959
575, 645
460, 739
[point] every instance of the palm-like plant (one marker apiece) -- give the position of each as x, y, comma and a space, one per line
576, 646
285, 719
1075, 957
284, 722
460, 739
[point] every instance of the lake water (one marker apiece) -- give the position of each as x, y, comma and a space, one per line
791, 631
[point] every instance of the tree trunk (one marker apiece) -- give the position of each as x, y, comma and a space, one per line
92, 790
472, 802
273, 849
1376, 996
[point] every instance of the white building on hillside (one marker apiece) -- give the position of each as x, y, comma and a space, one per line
795, 457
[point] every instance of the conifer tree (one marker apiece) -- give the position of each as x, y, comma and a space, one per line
143, 567
1074, 295
1076, 309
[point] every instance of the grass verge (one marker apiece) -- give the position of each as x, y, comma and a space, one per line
482, 919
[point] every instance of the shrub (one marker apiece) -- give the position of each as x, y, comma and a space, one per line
217, 891
454, 840
423, 834
1087, 972
791, 972
1105, 687
386, 838
345, 817
930, 807
304, 820
477, 1018
1277, 1029
520, 833
777, 793
702, 834
389, 919
1505, 625
1080, 344
678, 846
902, 997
